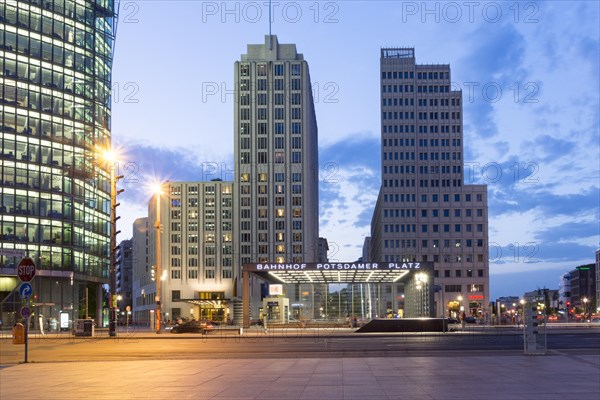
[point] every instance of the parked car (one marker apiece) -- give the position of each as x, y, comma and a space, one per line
471, 320
193, 327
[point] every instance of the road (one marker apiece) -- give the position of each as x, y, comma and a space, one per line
284, 344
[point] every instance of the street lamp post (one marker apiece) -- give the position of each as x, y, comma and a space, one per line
110, 158
158, 261
522, 302
585, 301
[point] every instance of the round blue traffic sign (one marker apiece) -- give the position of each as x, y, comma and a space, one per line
25, 312
25, 290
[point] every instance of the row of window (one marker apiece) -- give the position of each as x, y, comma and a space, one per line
261, 143
446, 228
208, 262
208, 214
420, 75
262, 157
56, 233
422, 129
278, 113
402, 198
209, 226
263, 177
423, 169
209, 190
436, 259
262, 250
91, 261
277, 213
454, 102
262, 237
277, 189
435, 213
400, 142
208, 237
208, 202
262, 99
46, 127
48, 77
264, 225
269, 86
455, 244
278, 69
55, 106
398, 75
422, 116
58, 53
406, 101
193, 274
80, 11
208, 250
422, 183
472, 287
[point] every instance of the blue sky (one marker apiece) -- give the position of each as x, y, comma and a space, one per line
529, 75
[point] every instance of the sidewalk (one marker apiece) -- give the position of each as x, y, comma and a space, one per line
493, 377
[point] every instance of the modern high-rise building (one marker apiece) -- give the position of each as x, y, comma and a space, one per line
124, 271
143, 287
424, 211
276, 157
197, 258
56, 60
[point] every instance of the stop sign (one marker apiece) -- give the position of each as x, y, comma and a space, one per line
26, 270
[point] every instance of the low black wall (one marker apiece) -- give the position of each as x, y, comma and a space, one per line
405, 325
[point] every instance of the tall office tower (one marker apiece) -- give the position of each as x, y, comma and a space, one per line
424, 211
276, 161
56, 59
196, 252
276, 157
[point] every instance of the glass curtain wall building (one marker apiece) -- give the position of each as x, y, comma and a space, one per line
56, 59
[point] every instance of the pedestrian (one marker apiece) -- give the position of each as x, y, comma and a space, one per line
463, 320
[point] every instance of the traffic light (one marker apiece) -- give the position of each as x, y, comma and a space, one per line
153, 273
568, 304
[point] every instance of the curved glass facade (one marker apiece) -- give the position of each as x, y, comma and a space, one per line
56, 59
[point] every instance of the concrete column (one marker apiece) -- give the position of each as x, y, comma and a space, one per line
246, 297
98, 304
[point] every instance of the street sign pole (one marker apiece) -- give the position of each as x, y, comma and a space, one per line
27, 333
26, 273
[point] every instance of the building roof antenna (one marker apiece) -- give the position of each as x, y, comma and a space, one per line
270, 21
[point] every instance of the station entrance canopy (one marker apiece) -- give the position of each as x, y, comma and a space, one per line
339, 272
415, 275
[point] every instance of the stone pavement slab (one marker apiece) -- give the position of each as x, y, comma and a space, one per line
490, 377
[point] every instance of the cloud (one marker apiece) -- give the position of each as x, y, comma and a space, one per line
348, 195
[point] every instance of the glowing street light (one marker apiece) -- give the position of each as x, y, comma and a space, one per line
585, 301
109, 158
160, 274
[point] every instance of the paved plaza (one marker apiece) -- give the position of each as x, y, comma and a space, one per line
504, 376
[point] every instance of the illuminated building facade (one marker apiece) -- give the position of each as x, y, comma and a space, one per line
56, 59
